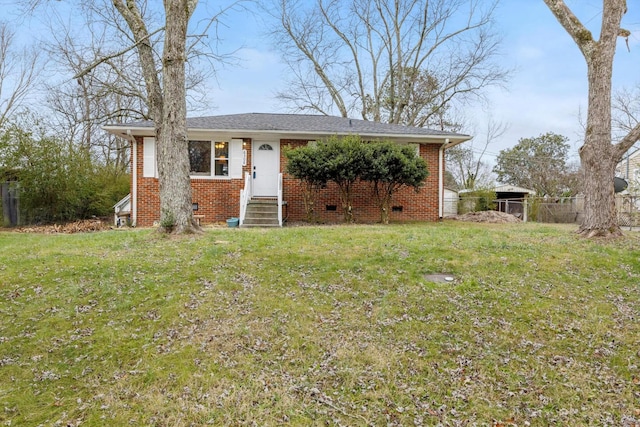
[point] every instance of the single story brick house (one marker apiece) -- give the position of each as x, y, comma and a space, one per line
238, 158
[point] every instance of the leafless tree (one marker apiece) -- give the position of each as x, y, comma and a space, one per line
598, 155
166, 100
109, 94
626, 110
143, 26
465, 162
19, 70
107, 89
399, 61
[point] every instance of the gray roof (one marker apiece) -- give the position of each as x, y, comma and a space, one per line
300, 124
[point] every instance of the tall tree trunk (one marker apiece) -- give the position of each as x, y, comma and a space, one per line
167, 108
173, 156
600, 218
598, 155
345, 199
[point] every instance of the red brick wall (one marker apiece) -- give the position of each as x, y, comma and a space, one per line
218, 199
421, 206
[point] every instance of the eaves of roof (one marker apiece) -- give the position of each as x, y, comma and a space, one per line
295, 126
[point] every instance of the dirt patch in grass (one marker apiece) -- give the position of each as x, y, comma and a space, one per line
493, 217
81, 226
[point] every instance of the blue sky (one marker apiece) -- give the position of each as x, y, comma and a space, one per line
546, 93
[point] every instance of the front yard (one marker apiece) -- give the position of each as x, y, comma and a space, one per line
321, 326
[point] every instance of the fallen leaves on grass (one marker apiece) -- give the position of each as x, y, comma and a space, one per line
82, 226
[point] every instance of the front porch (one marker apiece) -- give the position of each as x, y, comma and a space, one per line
261, 211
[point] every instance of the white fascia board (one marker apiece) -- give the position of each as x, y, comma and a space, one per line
129, 132
124, 132
314, 136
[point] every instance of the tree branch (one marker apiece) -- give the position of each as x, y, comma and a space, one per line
629, 139
573, 26
103, 59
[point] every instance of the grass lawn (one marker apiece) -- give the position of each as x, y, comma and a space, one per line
321, 326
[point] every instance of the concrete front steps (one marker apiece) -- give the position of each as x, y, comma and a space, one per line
261, 213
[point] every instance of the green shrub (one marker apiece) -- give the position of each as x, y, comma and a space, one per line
307, 164
346, 160
477, 201
57, 180
390, 167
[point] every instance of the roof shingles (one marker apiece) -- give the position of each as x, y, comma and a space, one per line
301, 123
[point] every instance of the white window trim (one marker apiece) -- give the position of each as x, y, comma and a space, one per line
236, 159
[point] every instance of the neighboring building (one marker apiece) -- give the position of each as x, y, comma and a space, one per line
513, 200
451, 199
122, 211
629, 170
240, 156
628, 200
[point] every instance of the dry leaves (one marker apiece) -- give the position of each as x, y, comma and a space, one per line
81, 226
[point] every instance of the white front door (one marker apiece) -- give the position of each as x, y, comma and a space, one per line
266, 167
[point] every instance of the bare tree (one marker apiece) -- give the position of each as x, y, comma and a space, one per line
143, 26
166, 100
107, 89
19, 69
465, 162
400, 61
626, 110
598, 155
109, 94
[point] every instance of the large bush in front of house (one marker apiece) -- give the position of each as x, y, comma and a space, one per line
307, 165
390, 167
347, 160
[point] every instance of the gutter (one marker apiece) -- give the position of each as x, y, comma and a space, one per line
441, 178
134, 176
447, 144
127, 133
134, 180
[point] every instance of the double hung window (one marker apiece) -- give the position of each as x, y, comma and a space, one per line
204, 154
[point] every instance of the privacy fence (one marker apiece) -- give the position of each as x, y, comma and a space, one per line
566, 210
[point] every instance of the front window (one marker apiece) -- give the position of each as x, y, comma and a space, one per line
200, 157
203, 153
222, 158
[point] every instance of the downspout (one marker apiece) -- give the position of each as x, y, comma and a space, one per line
134, 178
441, 179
